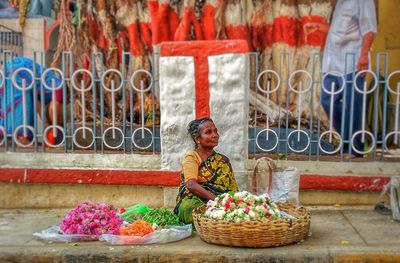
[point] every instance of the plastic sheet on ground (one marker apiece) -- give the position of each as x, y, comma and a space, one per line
55, 234
165, 235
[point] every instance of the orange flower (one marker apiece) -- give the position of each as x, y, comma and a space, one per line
137, 228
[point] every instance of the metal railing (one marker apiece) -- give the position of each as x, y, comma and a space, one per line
67, 110
116, 111
305, 134
10, 40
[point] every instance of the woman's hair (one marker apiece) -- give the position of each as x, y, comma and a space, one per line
193, 127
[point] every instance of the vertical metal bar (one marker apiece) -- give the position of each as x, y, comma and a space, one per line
113, 108
376, 107
71, 98
279, 108
96, 81
280, 102
14, 43
3, 105
34, 102
42, 99
351, 81
142, 106
312, 110
153, 90
131, 90
123, 80
21, 46
314, 86
24, 114
396, 115
351, 118
316, 56
6, 80
53, 103
94, 101
352, 99
385, 104
83, 104
381, 81
299, 106
257, 71
155, 74
11, 56
1, 38
66, 79
364, 109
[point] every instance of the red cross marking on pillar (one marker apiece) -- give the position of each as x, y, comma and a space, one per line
200, 51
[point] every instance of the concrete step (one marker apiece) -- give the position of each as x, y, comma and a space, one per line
17, 195
344, 234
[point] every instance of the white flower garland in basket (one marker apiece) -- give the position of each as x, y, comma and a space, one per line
243, 206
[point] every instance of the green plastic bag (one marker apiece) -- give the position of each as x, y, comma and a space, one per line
134, 212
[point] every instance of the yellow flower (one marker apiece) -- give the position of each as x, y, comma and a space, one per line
206, 174
222, 181
225, 168
218, 157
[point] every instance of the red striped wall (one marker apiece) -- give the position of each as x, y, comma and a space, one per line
162, 178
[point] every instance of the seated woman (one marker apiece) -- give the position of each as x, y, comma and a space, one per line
11, 99
205, 173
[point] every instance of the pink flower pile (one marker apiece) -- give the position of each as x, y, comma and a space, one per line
91, 218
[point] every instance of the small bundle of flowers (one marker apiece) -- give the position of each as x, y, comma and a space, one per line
91, 218
242, 206
137, 228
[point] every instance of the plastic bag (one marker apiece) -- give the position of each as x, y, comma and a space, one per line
395, 196
133, 212
54, 233
165, 235
282, 184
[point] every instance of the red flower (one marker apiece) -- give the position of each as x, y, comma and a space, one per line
227, 205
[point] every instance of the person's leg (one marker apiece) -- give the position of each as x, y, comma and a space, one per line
357, 104
332, 82
354, 100
23, 137
186, 208
53, 116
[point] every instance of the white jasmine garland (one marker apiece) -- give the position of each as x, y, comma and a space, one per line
242, 206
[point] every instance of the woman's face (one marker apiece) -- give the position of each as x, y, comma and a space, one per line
208, 135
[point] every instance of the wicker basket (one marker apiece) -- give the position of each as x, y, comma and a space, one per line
254, 234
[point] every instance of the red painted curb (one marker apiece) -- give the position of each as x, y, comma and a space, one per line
75, 176
162, 178
343, 183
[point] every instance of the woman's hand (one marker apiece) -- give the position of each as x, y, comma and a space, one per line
195, 188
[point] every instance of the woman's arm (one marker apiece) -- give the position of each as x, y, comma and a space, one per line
195, 188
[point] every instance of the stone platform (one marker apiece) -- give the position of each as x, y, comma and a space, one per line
338, 234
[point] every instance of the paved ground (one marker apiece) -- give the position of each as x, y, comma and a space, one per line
352, 234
